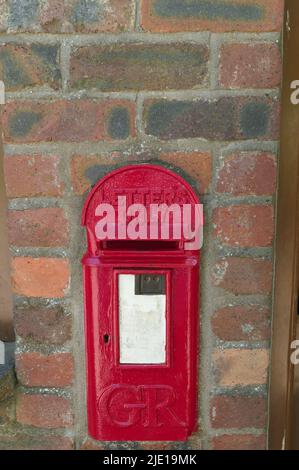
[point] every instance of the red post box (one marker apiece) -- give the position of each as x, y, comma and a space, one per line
141, 308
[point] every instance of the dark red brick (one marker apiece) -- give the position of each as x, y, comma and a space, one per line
244, 225
224, 119
125, 67
43, 325
255, 65
251, 173
224, 15
243, 275
68, 121
238, 412
242, 323
44, 411
38, 227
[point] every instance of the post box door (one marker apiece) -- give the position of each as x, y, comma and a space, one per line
145, 367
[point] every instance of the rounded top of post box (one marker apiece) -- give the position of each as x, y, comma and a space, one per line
141, 184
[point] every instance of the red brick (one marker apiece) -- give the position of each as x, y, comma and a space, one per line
126, 67
237, 15
256, 65
21, 441
39, 370
239, 442
44, 411
242, 323
40, 277
198, 165
241, 367
68, 121
244, 225
38, 227
27, 66
252, 173
32, 175
43, 325
243, 275
238, 412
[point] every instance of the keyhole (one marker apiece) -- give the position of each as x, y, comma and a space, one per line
106, 339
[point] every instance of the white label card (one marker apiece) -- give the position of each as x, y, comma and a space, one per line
142, 324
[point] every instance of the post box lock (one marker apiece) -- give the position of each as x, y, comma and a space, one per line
141, 306
149, 284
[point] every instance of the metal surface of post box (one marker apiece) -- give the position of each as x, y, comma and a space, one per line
141, 311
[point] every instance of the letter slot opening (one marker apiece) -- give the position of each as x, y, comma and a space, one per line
141, 245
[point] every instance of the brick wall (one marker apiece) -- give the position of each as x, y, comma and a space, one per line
97, 83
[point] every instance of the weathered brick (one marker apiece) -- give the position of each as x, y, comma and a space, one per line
21, 441
241, 367
7, 386
40, 277
67, 16
219, 16
90, 444
101, 15
238, 411
244, 225
87, 170
256, 65
239, 442
242, 323
243, 275
43, 325
249, 118
32, 175
38, 227
27, 66
251, 173
123, 67
44, 411
68, 121
7, 413
39, 370
196, 165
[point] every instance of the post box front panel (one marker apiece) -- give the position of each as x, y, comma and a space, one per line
140, 401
